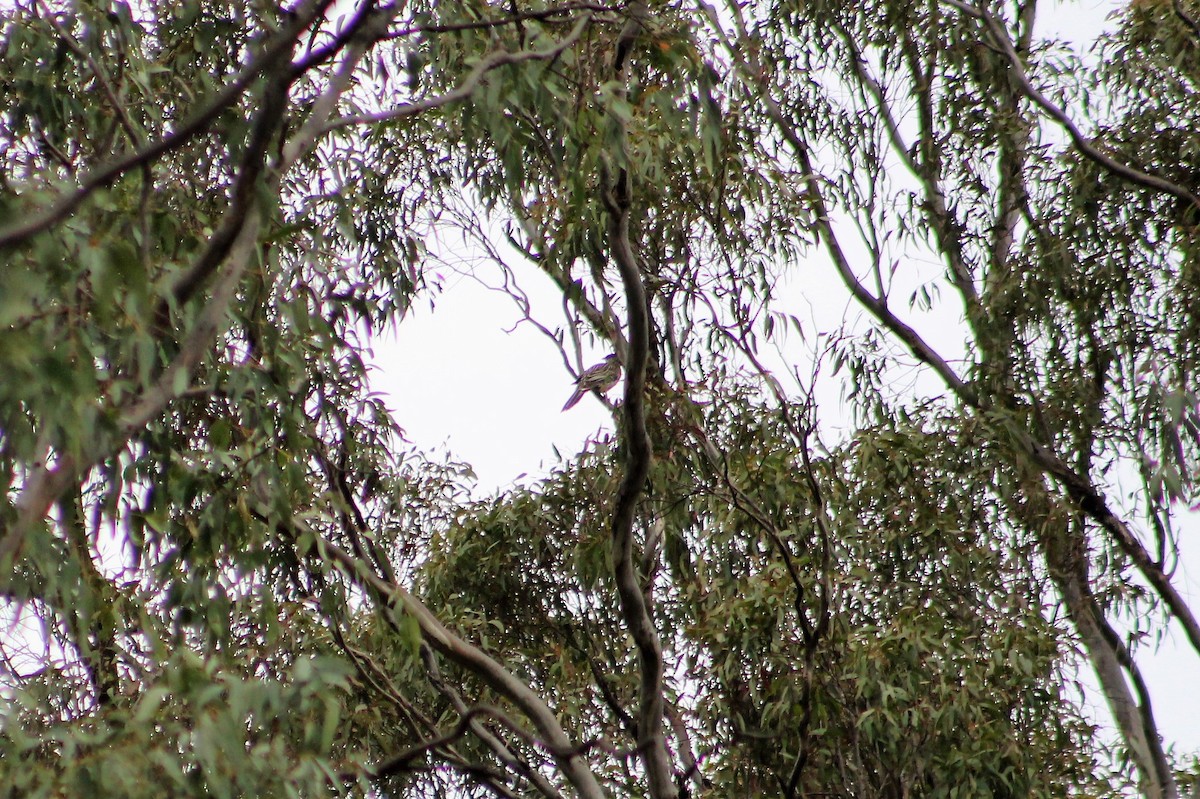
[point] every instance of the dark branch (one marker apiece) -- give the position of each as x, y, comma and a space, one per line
637, 451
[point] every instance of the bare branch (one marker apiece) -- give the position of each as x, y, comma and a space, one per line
683, 744
1108, 656
1145, 706
635, 610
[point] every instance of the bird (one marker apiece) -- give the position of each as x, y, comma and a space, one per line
600, 377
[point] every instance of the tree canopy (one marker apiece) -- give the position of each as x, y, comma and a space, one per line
225, 572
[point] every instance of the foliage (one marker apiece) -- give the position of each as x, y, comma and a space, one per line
224, 571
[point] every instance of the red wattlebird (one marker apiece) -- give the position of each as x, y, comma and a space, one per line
600, 377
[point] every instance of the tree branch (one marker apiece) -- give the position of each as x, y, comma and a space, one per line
945, 226
403, 761
275, 49
1021, 77
391, 598
635, 610
493, 742
469, 84
373, 674
1068, 571
250, 167
1080, 489
101, 75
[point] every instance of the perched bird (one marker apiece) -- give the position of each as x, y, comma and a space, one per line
600, 377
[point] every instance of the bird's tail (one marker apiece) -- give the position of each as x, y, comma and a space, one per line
575, 398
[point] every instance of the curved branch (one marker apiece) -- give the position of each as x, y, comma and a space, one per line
946, 227
98, 72
391, 598
1021, 77
635, 609
1145, 706
250, 168
367, 28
